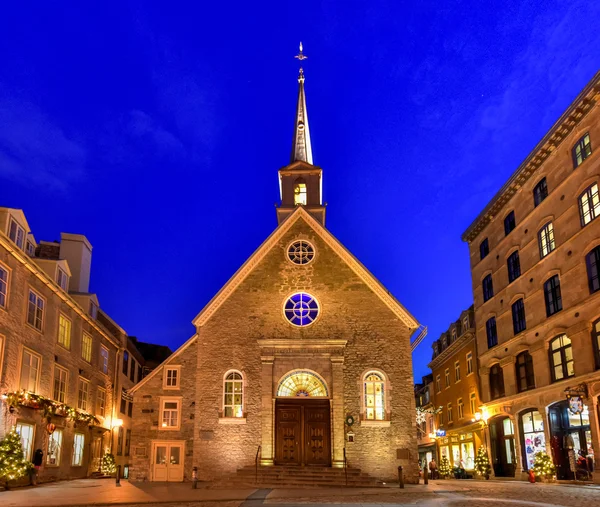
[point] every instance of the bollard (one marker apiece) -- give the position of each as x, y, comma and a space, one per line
194, 478
425, 477
400, 478
118, 476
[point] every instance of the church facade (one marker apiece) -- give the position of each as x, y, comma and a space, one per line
303, 358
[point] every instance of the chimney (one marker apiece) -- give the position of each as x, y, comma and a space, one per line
77, 251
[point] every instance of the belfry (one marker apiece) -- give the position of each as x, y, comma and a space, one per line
302, 359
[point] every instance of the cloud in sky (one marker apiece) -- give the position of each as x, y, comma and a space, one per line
141, 125
34, 150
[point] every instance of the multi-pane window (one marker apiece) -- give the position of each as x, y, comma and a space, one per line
496, 382
540, 192
64, 331
589, 204
123, 407
456, 371
469, 363
35, 310
30, 371
62, 279
546, 240
233, 395
465, 323
514, 266
16, 233
492, 335
509, 223
447, 375
484, 248
26, 432
101, 401
525, 378
441, 418
170, 414
374, 396
596, 341
593, 265
132, 371
518, 316
561, 357
3, 287
438, 384
581, 150
127, 442
552, 295
78, 446
83, 394
488, 288
460, 408
61, 380
172, 378
93, 310
54, 448
30, 249
103, 359
472, 403
125, 363
86, 347
449, 412
120, 441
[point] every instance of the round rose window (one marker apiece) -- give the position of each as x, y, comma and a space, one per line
301, 309
301, 252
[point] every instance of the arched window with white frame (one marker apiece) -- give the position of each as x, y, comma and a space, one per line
233, 395
374, 396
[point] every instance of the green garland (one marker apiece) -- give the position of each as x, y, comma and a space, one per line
48, 407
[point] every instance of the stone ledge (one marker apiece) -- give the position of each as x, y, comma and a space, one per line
376, 424
232, 420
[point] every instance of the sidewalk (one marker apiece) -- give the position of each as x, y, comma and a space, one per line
104, 491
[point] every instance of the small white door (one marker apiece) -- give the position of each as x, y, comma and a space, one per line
168, 462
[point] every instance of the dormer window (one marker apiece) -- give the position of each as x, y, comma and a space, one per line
93, 310
16, 233
300, 192
453, 334
465, 323
30, 249
62, 279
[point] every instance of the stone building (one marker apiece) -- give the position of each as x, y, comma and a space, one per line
535, 252
456, 393
60, 354
301, 356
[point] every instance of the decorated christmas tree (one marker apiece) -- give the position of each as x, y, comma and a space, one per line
543, 466
12, 463
482, 462
108, 466
444, 467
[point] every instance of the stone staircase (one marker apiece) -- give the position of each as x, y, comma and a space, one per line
298, 476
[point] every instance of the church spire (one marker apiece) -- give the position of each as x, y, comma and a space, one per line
301, 148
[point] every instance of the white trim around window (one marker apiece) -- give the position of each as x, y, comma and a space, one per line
30, 360
60, 383
27, 433
5, 273
78, 449
170, 413
104, 359
83, 394
172, 378
36, 309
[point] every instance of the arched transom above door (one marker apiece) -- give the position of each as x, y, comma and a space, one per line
303, 384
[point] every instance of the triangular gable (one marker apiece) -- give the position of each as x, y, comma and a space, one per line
168, 360
363, 273
259, 254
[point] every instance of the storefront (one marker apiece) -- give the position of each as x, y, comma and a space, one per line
460, 449
427, 453
571, 441
533, 439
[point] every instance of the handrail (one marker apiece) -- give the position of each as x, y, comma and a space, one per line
345, 466
258, 451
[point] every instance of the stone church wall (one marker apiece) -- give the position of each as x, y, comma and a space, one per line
350, 311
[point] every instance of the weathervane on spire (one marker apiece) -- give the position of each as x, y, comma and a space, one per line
301, 56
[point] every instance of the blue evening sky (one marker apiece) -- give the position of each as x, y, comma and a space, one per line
157, 128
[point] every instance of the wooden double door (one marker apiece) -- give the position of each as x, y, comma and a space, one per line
302, 432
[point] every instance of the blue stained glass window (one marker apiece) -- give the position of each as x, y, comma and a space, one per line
301, 309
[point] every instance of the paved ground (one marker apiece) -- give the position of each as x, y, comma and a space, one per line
438, 493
